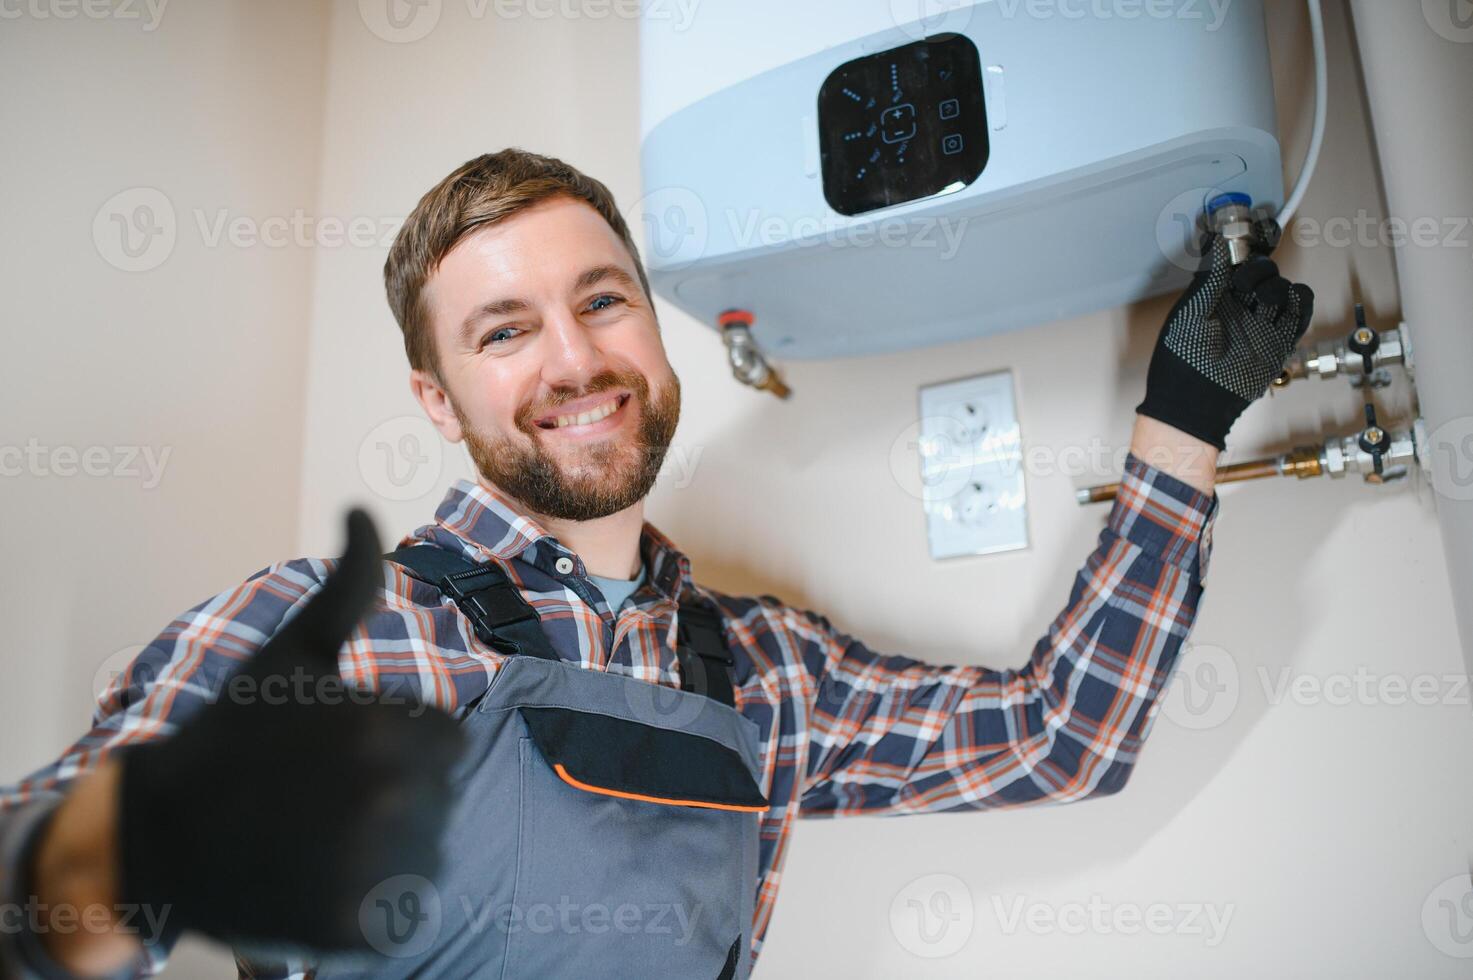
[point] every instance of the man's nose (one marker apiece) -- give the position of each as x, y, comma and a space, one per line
571, 358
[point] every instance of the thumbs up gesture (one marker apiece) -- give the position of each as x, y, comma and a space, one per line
274, 810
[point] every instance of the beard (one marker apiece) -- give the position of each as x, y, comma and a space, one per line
603, 477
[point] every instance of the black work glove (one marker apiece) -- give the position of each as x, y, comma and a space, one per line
1225, 342
271, 813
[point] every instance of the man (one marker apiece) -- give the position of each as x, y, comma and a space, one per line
553, 753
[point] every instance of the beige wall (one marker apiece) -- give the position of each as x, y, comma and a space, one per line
1322, 829
193, 353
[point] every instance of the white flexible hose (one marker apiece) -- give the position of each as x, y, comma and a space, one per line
1321, 110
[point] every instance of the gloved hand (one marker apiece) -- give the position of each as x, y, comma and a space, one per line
1225, 342
272, 812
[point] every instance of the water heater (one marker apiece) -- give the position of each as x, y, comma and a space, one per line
864, 181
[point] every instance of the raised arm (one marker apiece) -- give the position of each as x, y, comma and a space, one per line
892, 735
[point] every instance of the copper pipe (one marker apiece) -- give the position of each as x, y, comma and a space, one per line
1257, 469
1303, 463
747, 363
775, 385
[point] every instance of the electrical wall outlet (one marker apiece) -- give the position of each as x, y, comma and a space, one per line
971, 451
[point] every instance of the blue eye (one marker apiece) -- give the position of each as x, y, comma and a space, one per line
607, 296
495, 333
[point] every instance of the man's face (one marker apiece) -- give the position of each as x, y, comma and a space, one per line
555, 373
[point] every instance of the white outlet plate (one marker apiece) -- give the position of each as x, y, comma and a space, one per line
971, 451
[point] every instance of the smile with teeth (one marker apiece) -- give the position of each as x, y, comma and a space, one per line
595, 414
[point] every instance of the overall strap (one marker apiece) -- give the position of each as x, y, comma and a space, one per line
505, 621
501, 617
705, 663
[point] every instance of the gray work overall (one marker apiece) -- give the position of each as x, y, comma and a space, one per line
603, 826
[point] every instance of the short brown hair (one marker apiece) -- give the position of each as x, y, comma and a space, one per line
483, 191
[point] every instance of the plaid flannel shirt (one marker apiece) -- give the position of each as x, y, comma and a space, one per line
845, 730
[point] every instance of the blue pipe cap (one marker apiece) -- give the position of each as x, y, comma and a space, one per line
1228, 200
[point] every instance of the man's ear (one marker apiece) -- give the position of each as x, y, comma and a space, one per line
436, 402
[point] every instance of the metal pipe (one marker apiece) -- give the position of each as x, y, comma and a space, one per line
1337, 457
747, 363
1343, 357
1257, 469
1418, 73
